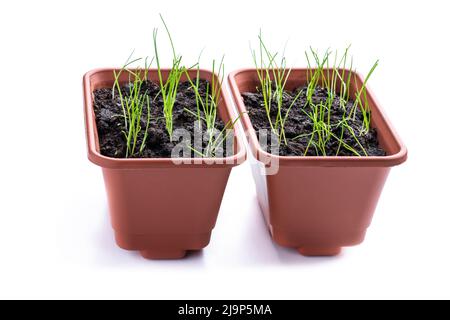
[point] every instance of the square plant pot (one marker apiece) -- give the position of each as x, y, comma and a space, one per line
158, 206
318, 205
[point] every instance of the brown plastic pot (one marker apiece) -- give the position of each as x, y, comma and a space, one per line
157, 207
318, 204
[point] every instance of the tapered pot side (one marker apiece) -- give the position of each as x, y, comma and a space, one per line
159, 206
318, 204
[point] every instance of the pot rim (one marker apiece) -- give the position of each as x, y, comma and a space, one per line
317, 161
97, 158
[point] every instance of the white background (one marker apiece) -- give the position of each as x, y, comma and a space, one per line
55, 236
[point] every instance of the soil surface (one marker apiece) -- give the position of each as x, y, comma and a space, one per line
110, 120
299, 124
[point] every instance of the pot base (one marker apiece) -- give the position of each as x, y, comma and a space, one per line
319, 251
162, 254
162, 246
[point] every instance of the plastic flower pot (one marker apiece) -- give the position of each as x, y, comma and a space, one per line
158, 207
318, 205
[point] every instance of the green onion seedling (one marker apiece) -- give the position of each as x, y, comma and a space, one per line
216, 141
364, 104
133, 105
323, 131
168, 88
207, 107
273, 76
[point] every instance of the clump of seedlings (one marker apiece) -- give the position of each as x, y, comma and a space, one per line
321, 117
133, 104
168, 88
206, 111
139, 118
273, 75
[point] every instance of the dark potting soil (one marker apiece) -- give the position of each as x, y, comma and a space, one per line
299, 124
110, 120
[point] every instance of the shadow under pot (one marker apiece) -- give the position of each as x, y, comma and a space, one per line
317, 204
159, 206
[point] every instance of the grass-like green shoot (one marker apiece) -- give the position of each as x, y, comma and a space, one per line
263, 72
317, 74
116, 85
169, 87
319, 112
216, 140
207, 105
198, 100
133, 104
361, 100
273, 76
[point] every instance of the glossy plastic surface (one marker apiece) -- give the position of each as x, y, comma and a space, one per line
158, 207
318, 204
